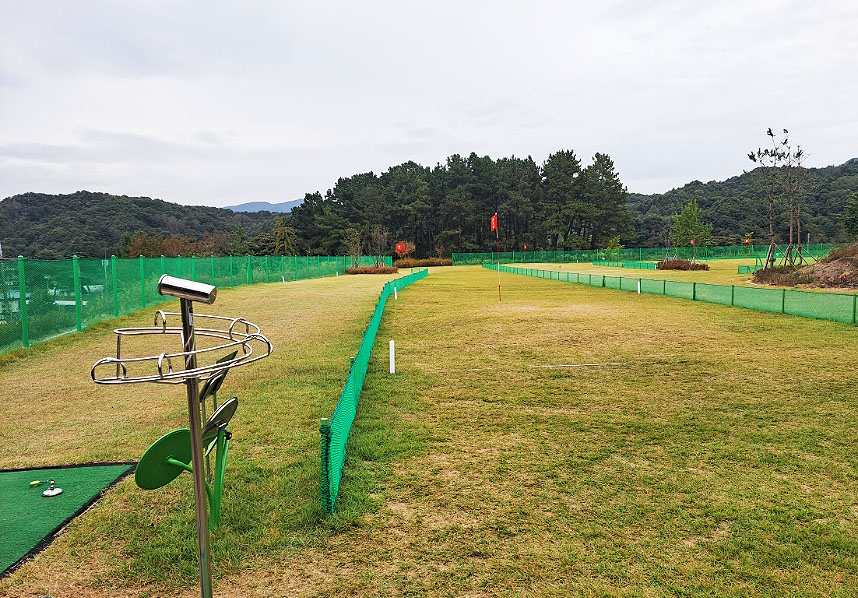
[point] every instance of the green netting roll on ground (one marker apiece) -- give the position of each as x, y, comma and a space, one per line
335, 432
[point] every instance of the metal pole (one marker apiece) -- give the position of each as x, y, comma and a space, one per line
22, 303
195, 423
78, 320
115, 288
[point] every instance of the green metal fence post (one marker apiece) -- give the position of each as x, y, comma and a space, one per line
295, 258
193, 267
694, 291
163, 264
78, 319
783, 302
179, 266
231, 278
22, 303
142, 283
249, 269
211, 257
732, 294
267, 270
854, 308
115, 286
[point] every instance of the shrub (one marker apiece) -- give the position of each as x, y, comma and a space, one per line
408, 262
680, 265
786, 276
372, 270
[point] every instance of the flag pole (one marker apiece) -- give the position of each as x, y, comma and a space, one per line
497, 253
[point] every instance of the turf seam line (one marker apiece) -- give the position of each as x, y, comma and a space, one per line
46, 541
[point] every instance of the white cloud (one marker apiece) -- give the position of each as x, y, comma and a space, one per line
223, 102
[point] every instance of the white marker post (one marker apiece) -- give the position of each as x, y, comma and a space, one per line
395, 294
639, 287
392, 359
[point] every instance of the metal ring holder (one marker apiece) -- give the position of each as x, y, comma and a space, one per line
187, 449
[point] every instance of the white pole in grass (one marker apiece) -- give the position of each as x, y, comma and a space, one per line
395, 294
639, 287
392, 358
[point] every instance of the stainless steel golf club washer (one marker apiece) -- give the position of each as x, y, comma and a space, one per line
251, 346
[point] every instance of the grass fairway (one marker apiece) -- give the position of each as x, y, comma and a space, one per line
720, 272
716, 459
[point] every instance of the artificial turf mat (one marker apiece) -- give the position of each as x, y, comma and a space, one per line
28, 520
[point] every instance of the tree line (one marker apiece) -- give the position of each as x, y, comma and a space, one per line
560, 204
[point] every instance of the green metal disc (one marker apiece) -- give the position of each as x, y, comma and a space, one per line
153, 471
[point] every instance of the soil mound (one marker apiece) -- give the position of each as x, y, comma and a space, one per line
839, 269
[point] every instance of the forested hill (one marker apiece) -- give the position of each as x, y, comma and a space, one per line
89, 224
735, 207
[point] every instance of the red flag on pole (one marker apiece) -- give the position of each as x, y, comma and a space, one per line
400, 247
746, 241
525, 246
495, 222
692, 241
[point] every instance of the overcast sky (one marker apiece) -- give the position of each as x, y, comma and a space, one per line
219, 103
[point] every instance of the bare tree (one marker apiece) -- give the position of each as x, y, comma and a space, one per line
780, 175
353, 240
378, 243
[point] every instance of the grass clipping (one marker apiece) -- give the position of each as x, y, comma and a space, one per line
838, 269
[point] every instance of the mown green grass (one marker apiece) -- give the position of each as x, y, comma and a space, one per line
720, 272
716, 460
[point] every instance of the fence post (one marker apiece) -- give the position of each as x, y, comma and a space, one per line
213, 269
178, 266
193, 267
142, 283
231, 277
732, 294
694, 291
78, 319
783, 302
267, 269
163, 264
22, 303
115, 287
249, 269
854, 307
295, 259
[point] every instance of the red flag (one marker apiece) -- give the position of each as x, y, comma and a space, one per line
400, 247
746, 241
495, 222
692, 241
525, 247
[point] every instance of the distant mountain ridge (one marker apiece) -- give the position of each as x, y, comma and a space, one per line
90, 224
263, 206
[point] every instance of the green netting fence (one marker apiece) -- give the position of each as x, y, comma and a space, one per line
335, 432
641, 254
839, 307
636, 265
43, 299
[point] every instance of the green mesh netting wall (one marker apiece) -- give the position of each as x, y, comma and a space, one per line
335, 432
636, 265
43, 299
839, 307
642, 254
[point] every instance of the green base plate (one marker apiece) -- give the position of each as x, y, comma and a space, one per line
153, 471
